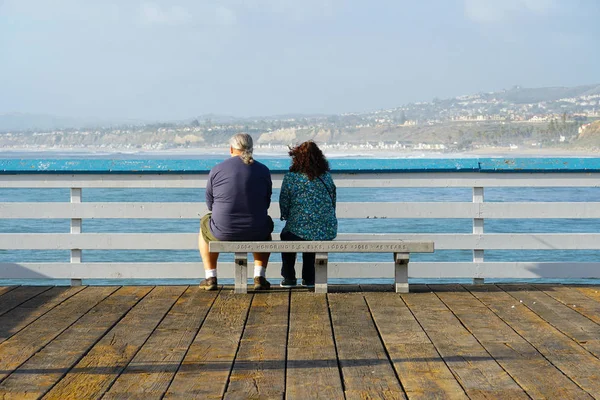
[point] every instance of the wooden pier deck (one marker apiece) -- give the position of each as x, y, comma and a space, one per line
359, 342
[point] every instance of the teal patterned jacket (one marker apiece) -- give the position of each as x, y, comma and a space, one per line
308, 207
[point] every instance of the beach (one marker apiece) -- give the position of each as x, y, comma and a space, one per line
192, 153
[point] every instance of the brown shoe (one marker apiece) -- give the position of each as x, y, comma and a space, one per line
260, 283
209, 284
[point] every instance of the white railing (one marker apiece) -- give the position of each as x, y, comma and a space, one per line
478, 210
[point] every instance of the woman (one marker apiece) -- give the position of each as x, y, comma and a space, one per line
307, 203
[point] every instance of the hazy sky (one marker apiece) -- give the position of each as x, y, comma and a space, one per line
175, 59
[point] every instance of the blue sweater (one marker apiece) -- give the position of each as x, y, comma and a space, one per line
239, 196
308, 207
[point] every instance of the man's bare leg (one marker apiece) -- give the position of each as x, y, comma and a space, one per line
261, 259
209, 261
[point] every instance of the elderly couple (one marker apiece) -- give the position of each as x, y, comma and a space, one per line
238, 195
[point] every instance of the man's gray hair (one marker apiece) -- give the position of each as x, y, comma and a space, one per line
243, 143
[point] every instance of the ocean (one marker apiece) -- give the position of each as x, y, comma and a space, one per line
345, 225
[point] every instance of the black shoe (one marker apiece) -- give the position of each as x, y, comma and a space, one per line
308, 284
288, 283
209, 284
261, 283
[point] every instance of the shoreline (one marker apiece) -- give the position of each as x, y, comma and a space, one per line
491, 152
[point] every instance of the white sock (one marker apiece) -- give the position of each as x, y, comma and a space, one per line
259, 270
210, 273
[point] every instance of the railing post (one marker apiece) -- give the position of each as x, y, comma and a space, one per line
401, 272
241, 273
321, 272
75, 229
478, 198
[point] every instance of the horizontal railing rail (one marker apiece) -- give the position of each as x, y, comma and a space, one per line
477, 175
350, 210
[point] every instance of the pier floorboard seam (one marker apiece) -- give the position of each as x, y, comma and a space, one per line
30, 340
420, 368
574, 299
259, 366
478, 372
566, 355
567, 320
205, 370
20, 295
47, 367
6, 289
182, 342
531, 370
312, 364
159, 358
591, 292
366, 369
186, 351
101, 366
15, 320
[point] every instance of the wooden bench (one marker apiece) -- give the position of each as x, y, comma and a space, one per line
400, 249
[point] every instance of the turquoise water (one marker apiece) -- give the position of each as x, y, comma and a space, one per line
345, 225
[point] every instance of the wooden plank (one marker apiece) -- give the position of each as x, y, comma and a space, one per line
377, 288
366, 369
421, 369
574, 299
205, 369
564, 318
312, 366
41, 372
18, 296
98, 369
17, 349
6, 289
592, 292
343, 288
573, 360
160, 357
536, 375
259, 367
477, 372
21, 316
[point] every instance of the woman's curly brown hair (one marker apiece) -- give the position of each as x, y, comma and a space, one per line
308, 159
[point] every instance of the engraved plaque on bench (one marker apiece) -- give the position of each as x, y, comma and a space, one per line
323, 247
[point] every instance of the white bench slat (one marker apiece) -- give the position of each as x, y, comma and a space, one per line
338, 246
189, 241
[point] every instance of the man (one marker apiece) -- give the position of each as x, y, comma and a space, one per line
238, 194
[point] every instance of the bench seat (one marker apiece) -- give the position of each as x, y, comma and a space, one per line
400, 249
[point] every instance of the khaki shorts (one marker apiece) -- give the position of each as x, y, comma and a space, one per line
205, 229
208, 235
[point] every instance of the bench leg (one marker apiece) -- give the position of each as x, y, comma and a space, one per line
241, 273
401, 272
321, 273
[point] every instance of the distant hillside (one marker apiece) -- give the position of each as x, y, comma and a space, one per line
519, 95
591, 130
518, 104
